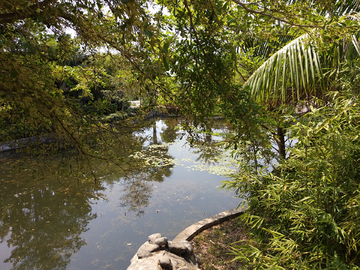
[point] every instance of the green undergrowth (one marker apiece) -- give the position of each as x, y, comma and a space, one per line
305, 214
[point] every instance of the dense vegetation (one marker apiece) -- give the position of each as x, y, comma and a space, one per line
285, 74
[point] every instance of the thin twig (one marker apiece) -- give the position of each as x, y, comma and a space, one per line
244, 6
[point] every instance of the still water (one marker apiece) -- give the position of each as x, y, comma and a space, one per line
51, 224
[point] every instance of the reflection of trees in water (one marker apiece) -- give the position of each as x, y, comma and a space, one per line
202, 141
137, 186
206, 148
208, 154
170, 132
204, 144
155, 140
137, 193
42, 222
42, 225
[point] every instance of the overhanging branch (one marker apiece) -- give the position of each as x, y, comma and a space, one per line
263, 13
24, 13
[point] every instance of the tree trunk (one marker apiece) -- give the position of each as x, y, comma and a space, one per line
154, 134
281, 142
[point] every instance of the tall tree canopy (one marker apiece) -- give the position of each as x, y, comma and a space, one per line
202, 53
41, 66
282, 50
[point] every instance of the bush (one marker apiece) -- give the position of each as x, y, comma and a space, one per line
305, 214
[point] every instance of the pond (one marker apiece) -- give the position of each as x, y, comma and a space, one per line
51, 224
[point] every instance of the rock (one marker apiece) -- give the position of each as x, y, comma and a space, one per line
155, 261
179, 248
160, 254
165, 263
189, 247
146, 249
199, 259
161, 241
153, 237
144, 265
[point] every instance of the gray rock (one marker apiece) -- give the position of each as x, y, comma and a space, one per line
160, 254
148, 264
165, 263
154, 262
161, 241
146, 249
153, 237
189, 247
199, 259
179, 248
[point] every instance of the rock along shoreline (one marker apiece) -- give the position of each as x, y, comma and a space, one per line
159, 253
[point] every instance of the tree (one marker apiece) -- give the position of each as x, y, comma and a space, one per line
303, 71
221, 45
208, 50
300, 212
32, 69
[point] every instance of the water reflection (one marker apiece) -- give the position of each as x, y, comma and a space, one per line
137, 188
170, 131
207, 146
44, 224
208, 151
137, 193
136, 184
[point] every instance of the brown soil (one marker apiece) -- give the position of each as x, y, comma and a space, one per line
213, 246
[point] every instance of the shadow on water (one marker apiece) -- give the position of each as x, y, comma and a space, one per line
69, 224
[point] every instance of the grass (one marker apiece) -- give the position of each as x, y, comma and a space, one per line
213, 246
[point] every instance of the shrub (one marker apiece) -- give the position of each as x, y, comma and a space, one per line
305, 214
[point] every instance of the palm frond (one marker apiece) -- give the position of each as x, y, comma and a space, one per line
355, 16
356, 44
294, 68
347, 6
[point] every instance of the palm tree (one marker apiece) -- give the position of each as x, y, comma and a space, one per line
296, 73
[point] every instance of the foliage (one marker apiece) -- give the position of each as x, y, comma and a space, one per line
155, 156
212, 47
221, 47
258, 63
52, 84
302, 214
271, 79
305, 213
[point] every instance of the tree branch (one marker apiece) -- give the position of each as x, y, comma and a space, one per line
238, 72
24, 13
244, 6
192, 27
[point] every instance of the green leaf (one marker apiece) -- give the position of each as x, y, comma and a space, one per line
148, 33
14, 73
166, 63
288, 61
356, 44
166, 47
